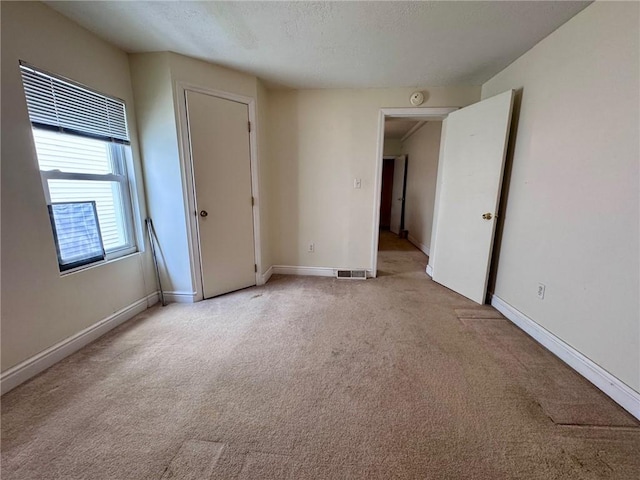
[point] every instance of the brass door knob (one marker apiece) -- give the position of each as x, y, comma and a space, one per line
487, 216
203, 213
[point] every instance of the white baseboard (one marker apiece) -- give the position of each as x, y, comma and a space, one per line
430, 271
621, 393
179, 297
309, 271
152, 299
267, 275
32, 366
420, 246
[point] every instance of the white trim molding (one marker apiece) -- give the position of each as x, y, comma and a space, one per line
312, 271
412, 130
29, 368
180, 297
619, 392
430, 271
152, 299
420, 246
308, 271
267, 275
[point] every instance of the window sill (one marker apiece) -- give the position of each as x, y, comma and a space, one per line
112, 258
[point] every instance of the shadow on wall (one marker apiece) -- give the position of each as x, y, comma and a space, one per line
285, 173
504, 196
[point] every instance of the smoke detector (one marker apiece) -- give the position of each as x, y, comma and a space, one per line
416, 98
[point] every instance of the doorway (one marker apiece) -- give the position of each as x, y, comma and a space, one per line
393, 194
409, 165
386, 194
470, 165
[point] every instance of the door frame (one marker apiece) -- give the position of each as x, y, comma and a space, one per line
188, 179
426, 113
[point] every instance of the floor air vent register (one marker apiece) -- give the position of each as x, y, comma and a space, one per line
352, 274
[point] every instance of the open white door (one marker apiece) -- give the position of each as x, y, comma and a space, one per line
220, 152
472, 163
397, 197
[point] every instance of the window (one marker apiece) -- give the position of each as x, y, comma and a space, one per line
82, 145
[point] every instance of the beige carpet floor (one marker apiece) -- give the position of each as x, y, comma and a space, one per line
318, 378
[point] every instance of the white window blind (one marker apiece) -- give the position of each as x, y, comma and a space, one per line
68, 107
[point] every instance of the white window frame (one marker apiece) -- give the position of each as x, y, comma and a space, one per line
113, 131
119, 150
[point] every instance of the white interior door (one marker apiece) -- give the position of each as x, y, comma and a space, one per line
472, 163
220, 153
399, 165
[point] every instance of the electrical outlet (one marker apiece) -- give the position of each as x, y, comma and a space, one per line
541, 288
357, 183
312, 247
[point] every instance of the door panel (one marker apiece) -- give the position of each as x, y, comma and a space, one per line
472, 164
220, 152
398, 193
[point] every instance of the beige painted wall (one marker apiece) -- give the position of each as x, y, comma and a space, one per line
151, 79
573, 205
392, 147
423, 150
319, 142
39, 306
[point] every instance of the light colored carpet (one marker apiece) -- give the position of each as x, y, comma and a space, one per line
395, 377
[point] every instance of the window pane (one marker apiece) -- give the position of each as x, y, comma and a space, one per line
70, 153
108, 198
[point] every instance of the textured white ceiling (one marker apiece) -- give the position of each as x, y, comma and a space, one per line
334, 44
